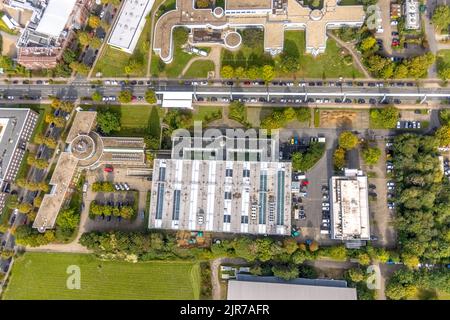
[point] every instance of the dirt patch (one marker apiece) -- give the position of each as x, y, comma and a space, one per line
9, 45
344, 119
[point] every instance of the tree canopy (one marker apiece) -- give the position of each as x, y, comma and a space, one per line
108, 122
348, 140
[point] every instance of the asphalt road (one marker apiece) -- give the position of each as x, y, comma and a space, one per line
402, 90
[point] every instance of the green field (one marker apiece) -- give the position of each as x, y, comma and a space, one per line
180, 57
443, 59
327, 65
43, 276
201, 113
135, 119
112, 62
199, 69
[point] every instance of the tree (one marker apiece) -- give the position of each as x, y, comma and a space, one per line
37, 202
443, 135
239, 73
364, 259
401, 71
289, 64
202, 4
410, 260
108, 122
339, 158
125, 96
227, 72
314, 246
69, 56
355, 275
385, 118
290, 245
68, 219
150, 96
371, 155
253, 73
418, 66
267, 73
79, 67
25, 208
95, 43
368, 43
286, 272
237, 112
348, 140
444, 71
94, 22
84, 38
97, 96
441, 17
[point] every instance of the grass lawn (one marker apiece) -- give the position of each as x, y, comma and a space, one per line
180, 58
443, 58
203, 112
327, 65
43, 276
199, 69
134, 119
112, 62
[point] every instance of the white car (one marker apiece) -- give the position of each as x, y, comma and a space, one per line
302, 84
204, 83
399, 124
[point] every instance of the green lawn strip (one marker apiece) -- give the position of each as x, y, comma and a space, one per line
44, 276
199, 69
327, 65
113, 61
443, 58
203, 112
316, 118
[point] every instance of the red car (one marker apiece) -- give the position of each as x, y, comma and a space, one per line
108, 169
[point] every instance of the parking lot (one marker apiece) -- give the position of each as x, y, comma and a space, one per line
381, 216
138, 185
317, 177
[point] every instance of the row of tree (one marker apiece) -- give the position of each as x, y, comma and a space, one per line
347, 141
103, 186
126, 212
383, 67
158, 245
282, 116
266, 73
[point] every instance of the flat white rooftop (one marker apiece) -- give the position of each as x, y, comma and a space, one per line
55, 17
130, 23
173, 99
262, 290
349, 208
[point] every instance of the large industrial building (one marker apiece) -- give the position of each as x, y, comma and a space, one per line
16, 128
274, 16
49, 29
85, 149
349, 206
236, 185
247, 287
128, 27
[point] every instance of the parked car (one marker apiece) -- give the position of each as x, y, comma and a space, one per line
108, 169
